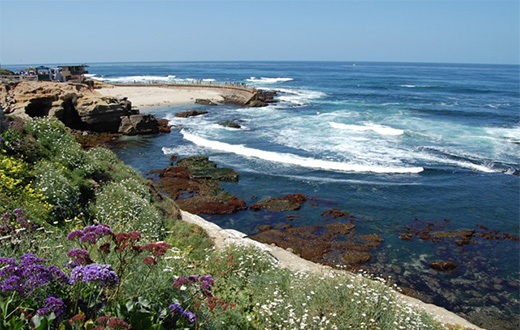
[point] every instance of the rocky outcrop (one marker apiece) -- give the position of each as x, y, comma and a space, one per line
190, 113
230, 124
194, 184
139, 124
287, 203
76, 105
443, 265
205, 102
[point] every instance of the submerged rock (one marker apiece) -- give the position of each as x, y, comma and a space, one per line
194, 184
287, 203
443, 265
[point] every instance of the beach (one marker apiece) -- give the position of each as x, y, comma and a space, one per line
143, 96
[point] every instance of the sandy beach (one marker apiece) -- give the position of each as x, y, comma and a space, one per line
154, 96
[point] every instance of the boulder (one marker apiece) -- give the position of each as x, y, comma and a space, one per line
442, 266
230, 124
190, 113
205, 102
164, 126
139, 124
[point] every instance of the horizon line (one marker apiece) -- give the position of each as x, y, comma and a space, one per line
231, 61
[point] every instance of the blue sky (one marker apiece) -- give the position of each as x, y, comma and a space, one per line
81, 31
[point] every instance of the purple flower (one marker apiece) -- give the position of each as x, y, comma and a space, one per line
207, 278
89, 237
180, 281
189, 316
52, 304
29, 274
176, 308
81, 257
8, 261
17, 211
193, 278
75, 234
103, 275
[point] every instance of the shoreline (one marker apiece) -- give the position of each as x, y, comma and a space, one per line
148, 96
225, 237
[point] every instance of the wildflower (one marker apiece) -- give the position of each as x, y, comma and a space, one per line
116, 323
150, 261
81, 257
193, 278
77, 319
179, 281
157, 249
52, 304
189, 316
103, 275
176, 308
75, 234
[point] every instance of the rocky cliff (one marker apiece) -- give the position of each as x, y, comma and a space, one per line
76, 105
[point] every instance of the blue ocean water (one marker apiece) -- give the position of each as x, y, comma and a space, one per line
391, 143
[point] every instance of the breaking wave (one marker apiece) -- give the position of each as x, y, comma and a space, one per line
380, 129
290, 159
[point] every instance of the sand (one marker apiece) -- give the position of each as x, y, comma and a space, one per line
143, 97
163, 95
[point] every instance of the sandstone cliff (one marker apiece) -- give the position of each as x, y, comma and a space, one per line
76, 105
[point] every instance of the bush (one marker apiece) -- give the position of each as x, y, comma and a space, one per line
122, 206
59, 191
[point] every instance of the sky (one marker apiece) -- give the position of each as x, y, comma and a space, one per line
88, 31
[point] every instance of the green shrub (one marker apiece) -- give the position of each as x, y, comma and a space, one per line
62, 193
124, 207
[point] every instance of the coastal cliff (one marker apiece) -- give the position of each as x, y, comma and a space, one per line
76, 105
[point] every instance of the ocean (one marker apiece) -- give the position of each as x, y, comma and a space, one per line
403, 147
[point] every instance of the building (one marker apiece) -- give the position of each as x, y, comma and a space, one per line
70, 72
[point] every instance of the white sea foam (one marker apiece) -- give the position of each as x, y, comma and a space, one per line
380, 129
290, 159
264, 80
298, 96
139, 79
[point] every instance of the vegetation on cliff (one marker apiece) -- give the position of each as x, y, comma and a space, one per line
87, 243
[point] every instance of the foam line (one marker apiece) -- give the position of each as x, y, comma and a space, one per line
383, 130
285, 158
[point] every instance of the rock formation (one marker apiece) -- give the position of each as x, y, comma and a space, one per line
76, 105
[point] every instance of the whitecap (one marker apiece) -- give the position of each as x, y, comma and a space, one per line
380, 129
264, 80
137, 79
298, 96
291, 159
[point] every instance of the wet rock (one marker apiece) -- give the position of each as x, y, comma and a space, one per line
164, 126
190, 113
494, 299
264, 228
230, 124
287, 203
354, 257
139, 124
222, 203
405, 237
443, 265
336, 214
219, 174
205, 102
373, 240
